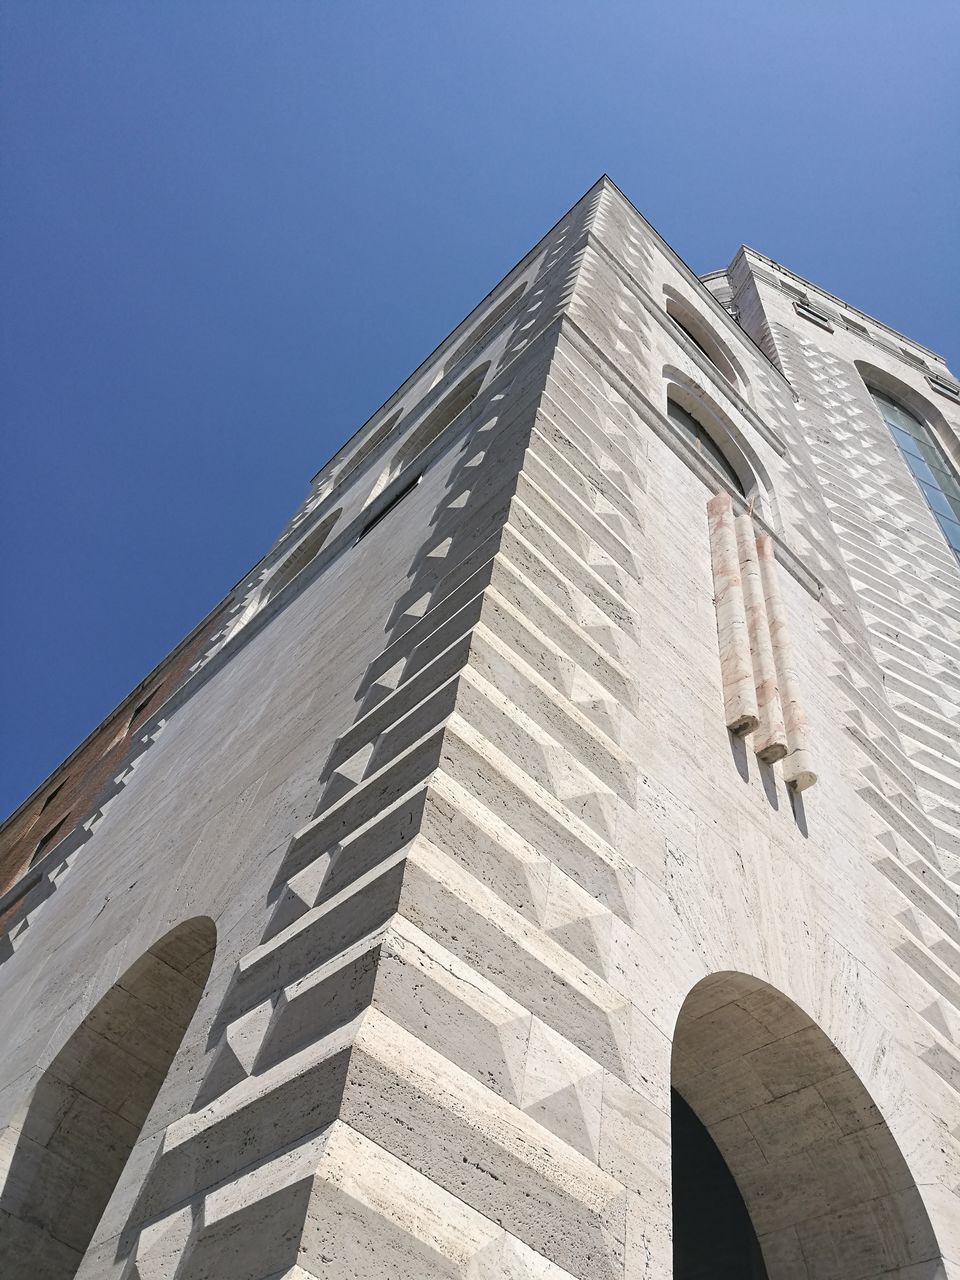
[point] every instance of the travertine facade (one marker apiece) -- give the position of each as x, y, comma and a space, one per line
382, 951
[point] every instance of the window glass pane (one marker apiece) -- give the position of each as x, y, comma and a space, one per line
952, 530
949, 486
938, 501
701, 439
896, 415
907, 443
928, 463
921, 470
685, 421
934, 456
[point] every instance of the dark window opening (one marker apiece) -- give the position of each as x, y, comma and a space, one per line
142, 705
53, 795
814, 315
385, 510
713, 1237
53, 836
946, 388
704, 340
697, 435
693, 338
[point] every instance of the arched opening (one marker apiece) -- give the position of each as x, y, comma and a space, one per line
434, 424
370, 445
485, 326
91, 1104
713, 1236
704, 338
52, 837
306, 550
697, 435
783, 1167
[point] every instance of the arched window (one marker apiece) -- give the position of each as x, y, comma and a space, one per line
705, 340
53, 795
142, 705
701, 439
489, 321
933, 473
433, 425
306, 550
370, 445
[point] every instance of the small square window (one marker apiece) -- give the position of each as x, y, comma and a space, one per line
944, 386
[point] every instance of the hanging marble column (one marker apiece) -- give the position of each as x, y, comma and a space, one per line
797, 764
736, 667
769, 741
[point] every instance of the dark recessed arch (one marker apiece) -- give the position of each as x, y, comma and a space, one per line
823, 1181
91, 1103
271, 583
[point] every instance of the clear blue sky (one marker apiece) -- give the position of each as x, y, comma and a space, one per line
229, 230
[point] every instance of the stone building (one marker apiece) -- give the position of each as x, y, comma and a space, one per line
546, 862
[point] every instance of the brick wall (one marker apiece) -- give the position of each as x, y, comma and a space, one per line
67, 797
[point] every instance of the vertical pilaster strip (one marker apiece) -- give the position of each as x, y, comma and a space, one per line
797, 764
736, 666
770, 740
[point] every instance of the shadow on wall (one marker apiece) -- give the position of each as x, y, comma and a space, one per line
91, 1103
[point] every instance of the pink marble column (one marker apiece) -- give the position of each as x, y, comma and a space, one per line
797, 764
736, 667
770, 740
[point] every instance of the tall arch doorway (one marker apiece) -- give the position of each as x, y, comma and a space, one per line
91, 1103
783, 1168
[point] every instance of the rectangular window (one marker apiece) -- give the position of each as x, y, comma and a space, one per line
387, 507
944, 387
815, 316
